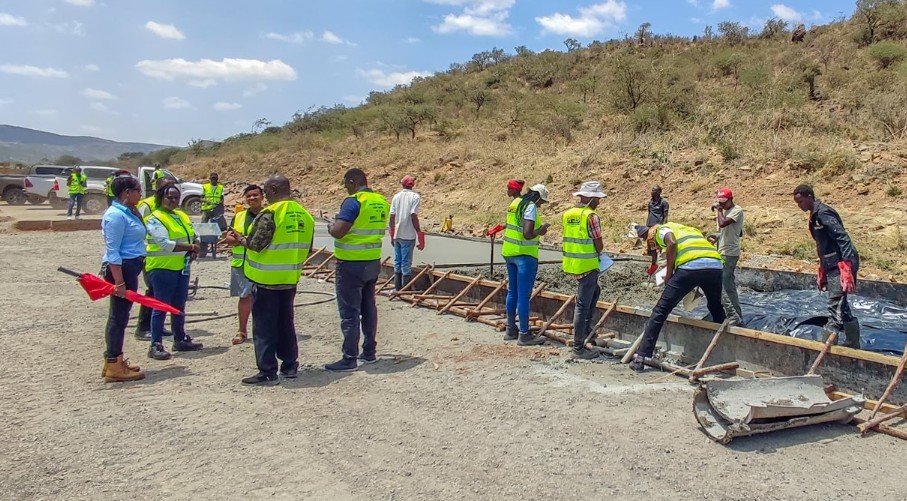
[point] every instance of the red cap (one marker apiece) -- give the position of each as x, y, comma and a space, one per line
516, 184
408, 181
724, 194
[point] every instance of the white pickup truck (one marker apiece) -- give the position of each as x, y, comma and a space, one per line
95, 201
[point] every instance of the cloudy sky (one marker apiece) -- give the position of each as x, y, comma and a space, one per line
167, 71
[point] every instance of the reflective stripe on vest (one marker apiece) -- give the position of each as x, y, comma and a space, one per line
580, 255
146, 206
363, 241
77, 183
239, 252
212, 196
280, 263
514, 243
180, 230
690, 244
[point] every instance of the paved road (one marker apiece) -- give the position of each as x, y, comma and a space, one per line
29, 212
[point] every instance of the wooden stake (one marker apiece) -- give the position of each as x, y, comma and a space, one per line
697, 373
487, 299
557, 315
873, 422
601, 321
633, 347
430, 289
319, 267
460, 295
891, 385
828, 343
708, 350
411, 282
317, 252
386, 283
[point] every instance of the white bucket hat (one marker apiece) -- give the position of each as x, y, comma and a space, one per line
541, 190
591, 189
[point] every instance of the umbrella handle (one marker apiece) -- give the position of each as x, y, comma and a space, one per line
69, 272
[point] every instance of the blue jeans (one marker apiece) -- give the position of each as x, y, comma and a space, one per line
171, 287
403, 256
75, 201
521, 271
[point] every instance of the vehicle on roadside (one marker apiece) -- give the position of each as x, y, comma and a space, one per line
39, 184
95, 201
12, 189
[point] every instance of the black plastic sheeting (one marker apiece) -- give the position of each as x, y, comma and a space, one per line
803, 314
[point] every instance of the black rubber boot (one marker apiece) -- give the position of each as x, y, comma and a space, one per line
529, 339
398, 281
406, 280
852, 334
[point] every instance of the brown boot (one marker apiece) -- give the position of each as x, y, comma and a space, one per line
133, 368
118, 369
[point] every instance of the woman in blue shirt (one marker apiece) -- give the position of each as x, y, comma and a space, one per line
124, 257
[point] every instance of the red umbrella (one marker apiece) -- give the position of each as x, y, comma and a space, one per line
98, 288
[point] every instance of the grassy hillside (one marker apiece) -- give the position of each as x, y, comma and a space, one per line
752, 111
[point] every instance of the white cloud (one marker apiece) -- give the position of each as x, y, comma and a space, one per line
479, 17
91, 67
695, 20
298, 38
694, 3
255, 89
224, 106
96, 106
332, 38
411, 40
720, 4
11, 20
176, 103
592, 21
354, 99
379, 77
26, 70
80, 3
46, 113
97, 94
786, 13
69, 28
225, 69
340, 58
165, 30
203, 84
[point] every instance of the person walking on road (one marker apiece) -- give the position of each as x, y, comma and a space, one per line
839, 263
729, 219
240, 285
213, 208
76, 184
124, 257
521, 253
582, 247
145, 207
358, 231
691, 262
405, 230
277, 244
172, 246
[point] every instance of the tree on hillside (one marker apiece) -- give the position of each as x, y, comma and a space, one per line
873, 15
522, 50
260, 124
827, 49
708, 34
773, 28
733, 32
68, 160
643, 33
632, 81
479, 98
572, 44
810, 71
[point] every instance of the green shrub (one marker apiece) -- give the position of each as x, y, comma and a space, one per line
887, 53
728, 151
649, 118
894, 191
799, 250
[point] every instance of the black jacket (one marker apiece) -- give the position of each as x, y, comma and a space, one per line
832, 241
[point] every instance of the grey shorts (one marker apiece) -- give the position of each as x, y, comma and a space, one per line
240, 286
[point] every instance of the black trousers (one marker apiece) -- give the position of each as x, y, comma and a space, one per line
273, 330
354, 284
681, 283
118, 316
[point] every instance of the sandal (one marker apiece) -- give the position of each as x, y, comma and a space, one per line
240, 338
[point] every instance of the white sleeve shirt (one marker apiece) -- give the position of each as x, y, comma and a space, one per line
403, 206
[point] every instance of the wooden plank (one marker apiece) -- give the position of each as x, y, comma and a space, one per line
832, 337
708, 351
317, 252
431, 288
406, 287
701, 371
895, 380
874, 422
633, 347
460, 295
318, 268
558, 314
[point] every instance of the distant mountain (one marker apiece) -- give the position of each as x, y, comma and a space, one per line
18, 144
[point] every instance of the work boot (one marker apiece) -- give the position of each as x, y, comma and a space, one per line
142, 334
529, 339
511, 334
398, 281
405, 280
117, 370
584, 353
638, 364
291, 371
133, 368
157, 352
852, 334
186, 344
343, 365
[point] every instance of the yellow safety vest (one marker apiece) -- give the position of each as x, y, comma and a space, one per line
280, 263
363, 242
146, 206
212, 196
514, 243
690, 244
155, 175
108, 186
180, 230
239, 252
580, 255
77, 183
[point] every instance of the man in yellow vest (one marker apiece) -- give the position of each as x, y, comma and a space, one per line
213, 208
145, 207
76, 184
240, 285
582, 247
278, 243
358, 231
692, 261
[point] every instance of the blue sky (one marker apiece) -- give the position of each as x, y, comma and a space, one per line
168, 71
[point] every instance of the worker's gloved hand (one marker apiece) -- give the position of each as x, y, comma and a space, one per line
652, 269
821, 281
847, 282
421, 243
